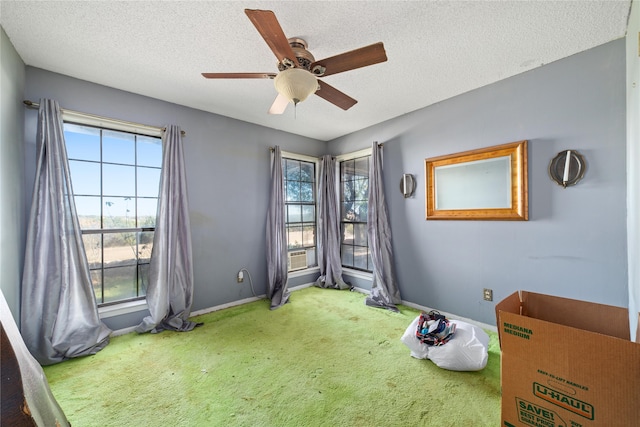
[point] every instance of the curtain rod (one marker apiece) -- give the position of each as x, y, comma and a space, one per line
380, 144
149, 128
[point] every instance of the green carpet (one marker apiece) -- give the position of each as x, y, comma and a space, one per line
325, 359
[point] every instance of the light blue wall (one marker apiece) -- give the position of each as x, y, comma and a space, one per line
574, 244
227, 174
12, 211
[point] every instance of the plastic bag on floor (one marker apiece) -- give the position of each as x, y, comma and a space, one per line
467, 350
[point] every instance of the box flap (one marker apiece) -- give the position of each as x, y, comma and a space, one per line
589, 316
510, 304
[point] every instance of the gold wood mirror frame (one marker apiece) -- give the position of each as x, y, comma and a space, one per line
484, 184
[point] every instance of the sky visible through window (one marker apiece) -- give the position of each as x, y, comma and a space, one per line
120, 153
115, 178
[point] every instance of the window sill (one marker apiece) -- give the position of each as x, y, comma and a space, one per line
365, 275
306, 271
120, 309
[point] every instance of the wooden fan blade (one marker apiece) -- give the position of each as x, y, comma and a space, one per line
269, 28
279, 105
368, 55
239, 75
334, 96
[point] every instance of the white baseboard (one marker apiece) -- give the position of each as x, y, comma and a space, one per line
307, 285
227, 305
304, 285
215, 308
448, 315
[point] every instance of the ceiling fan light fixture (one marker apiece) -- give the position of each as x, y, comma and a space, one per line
295, 84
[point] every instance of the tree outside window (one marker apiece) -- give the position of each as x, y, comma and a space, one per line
354, 205
115, 178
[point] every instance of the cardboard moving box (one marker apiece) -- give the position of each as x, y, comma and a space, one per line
567, 363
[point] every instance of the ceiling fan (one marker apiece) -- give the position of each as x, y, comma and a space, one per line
298, 69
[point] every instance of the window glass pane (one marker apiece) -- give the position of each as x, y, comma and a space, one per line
360, 211
85, 177
294, 213
346, 212
306, 191
120, 283
93, 248
300, 198
361, 189
294, 235
362, 167
347, 234
119, 212
346, 170
360, 234
309, 213
88, 210
307, 173
118, 180
119, 249
346, 253
96, 282
147, 210
148, 182
308, 235
149, 151
354, 194
293, 191
292, 170
348, 191
107, 197
82, 142
143, 279
360, 257
118, 147
145, 245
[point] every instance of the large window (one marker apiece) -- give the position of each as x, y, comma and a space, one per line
354, 203
115, 177
300, 206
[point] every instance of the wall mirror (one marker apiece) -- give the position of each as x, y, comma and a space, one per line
484, 184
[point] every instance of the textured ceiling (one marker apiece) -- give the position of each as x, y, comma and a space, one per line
435, 49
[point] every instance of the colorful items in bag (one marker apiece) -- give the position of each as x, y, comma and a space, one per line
434, 328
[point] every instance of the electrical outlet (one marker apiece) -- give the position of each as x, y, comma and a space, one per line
240, 277
487, 294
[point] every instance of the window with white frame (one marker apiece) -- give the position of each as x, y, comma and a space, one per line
354, 206
115, 177
300, 209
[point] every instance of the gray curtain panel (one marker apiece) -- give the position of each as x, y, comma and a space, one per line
170, 290
329, 228
59, 315
277, 236
384, 289
43, 407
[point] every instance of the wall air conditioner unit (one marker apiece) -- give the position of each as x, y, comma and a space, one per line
297, 260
